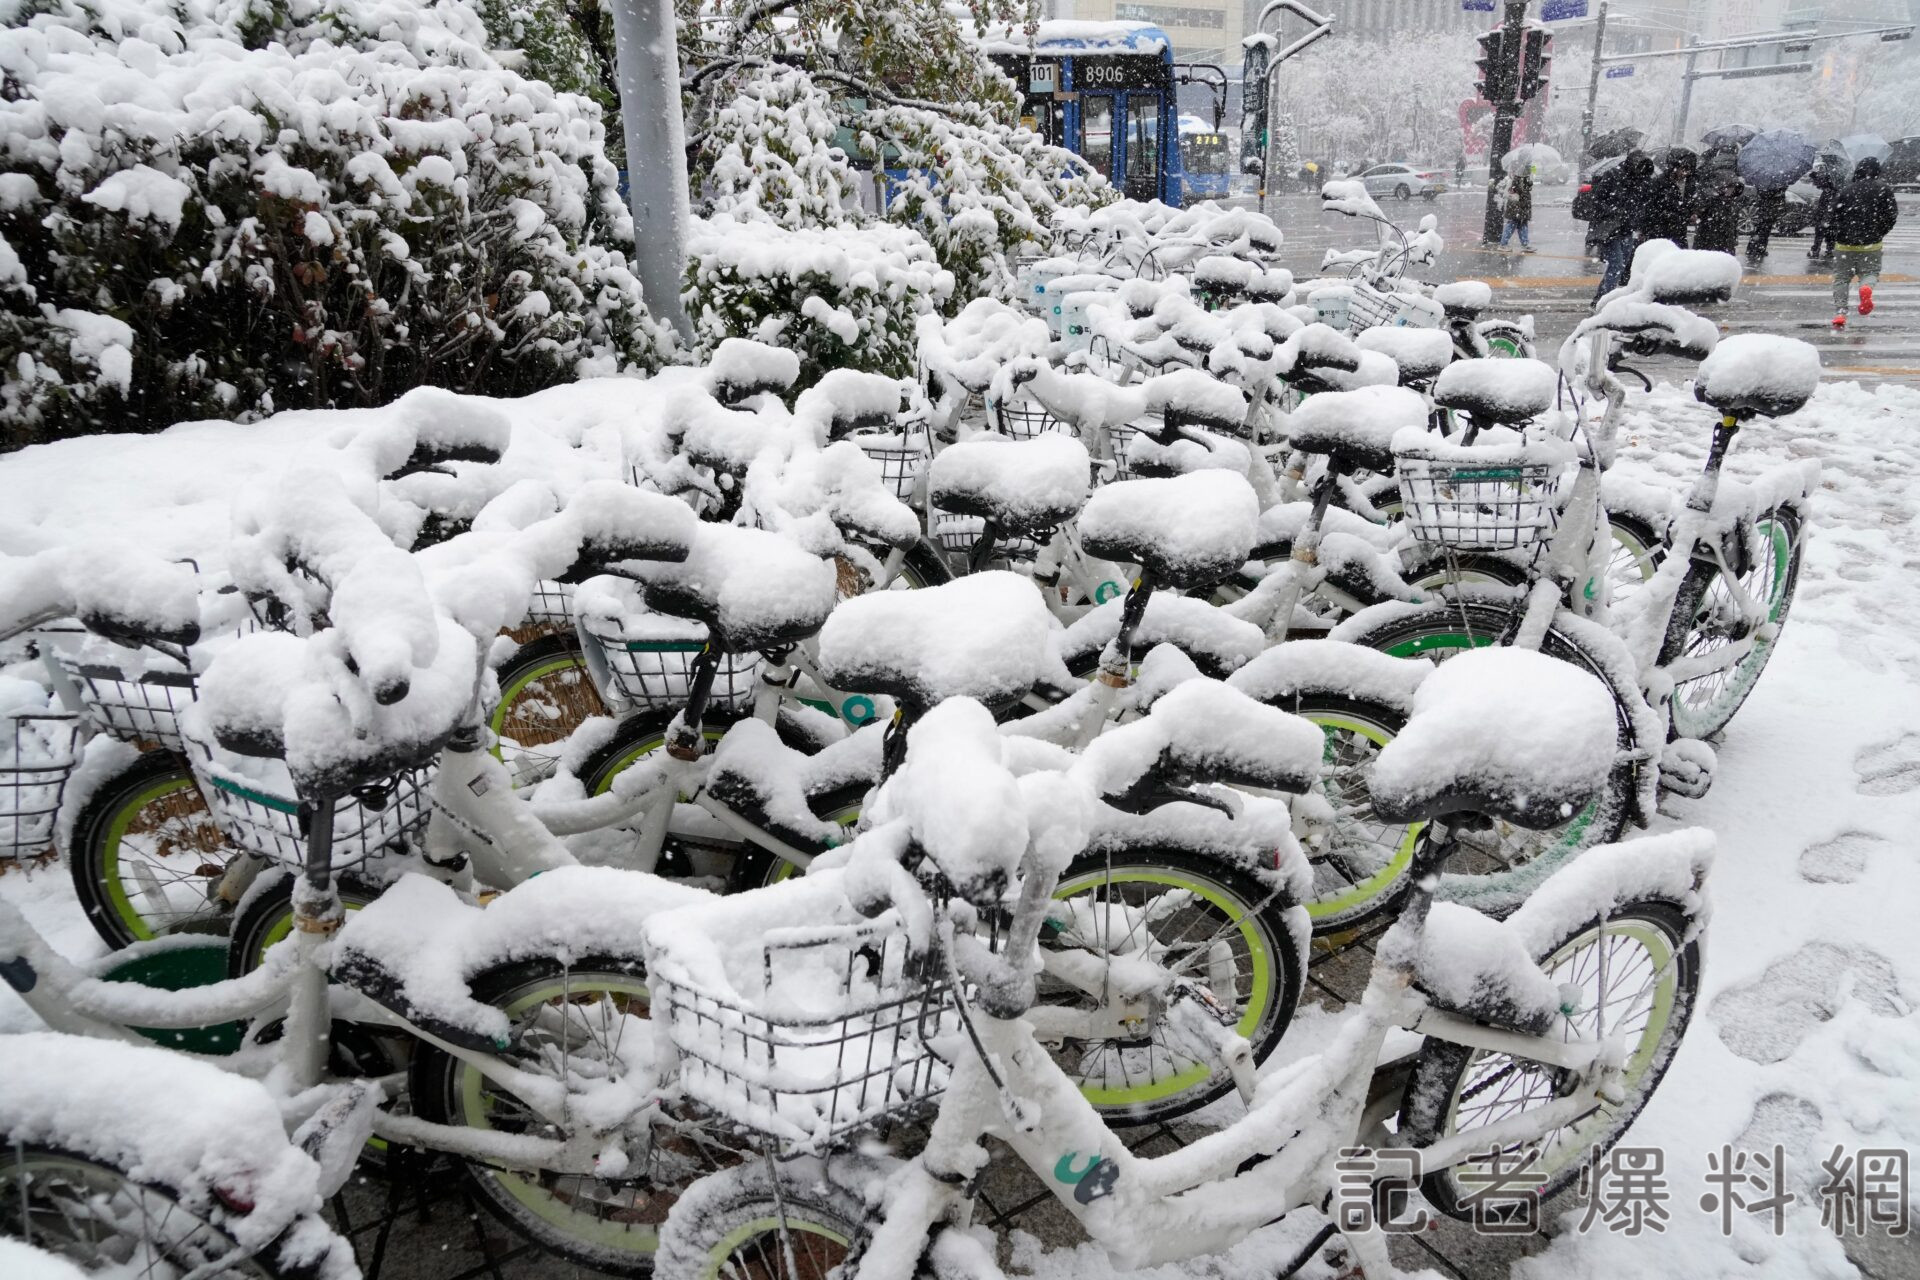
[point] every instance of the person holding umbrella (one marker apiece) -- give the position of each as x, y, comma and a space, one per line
1772, 161
1863, 212
1516, 204
1675, 195
1719, 191
1621, 199
1827, 179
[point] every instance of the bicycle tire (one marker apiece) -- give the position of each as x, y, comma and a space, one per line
748, 1220
266, 916
1444, 628
545, 694
45, 1184
579, 1217
1779, 568
153, 800
1268, 982
1359, 874
1430, 1109
1634, 557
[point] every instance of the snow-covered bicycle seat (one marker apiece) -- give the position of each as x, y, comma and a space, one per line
1758, 374
1025, 487
1495, 391
1508, 733
1464, 299
1217, 641
1204, 731
1356, 428
983, 637
753, 589
741, 368
1420, 353
1188, 531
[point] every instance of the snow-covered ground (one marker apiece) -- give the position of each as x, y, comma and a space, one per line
1808, 1035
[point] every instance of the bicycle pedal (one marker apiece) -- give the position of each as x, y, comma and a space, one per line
1686, 768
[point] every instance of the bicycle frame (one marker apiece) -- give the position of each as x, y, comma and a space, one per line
1149, 1211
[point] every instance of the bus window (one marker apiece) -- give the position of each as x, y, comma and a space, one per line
1143, 146
1096, 132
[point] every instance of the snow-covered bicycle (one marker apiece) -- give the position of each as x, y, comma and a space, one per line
1543, 1036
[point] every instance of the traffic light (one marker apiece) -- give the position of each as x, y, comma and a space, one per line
1536, 59
1496, 63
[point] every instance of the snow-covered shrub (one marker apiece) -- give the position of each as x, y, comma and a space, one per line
838, 297
978, 190
769, 154
225, 209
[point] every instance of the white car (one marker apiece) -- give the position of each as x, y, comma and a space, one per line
1403, 181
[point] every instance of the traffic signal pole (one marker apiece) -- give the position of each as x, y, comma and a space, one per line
1593, 88
1506, 109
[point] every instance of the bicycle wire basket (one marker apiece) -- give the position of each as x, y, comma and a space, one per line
1506, 502
551, 607
902, 456
43, 748
805, 1079
956, 535
142, 709
657, 673
1023, 419
267, 818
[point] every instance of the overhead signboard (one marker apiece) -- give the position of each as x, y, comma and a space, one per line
1560, 10
1619, 73
1477, 6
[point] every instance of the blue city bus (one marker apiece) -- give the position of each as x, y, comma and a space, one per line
1207, 157
1106, 91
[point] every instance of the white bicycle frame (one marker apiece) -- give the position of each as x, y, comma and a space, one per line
1174, 1207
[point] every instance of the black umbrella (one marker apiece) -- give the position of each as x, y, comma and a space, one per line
1615, 142
1729, 135
1776, 159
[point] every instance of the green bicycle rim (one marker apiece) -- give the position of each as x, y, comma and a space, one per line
1659, 950
498, 720
1319, 909
1256, 996
644, 747
110, 856
718, 1255
1742, 675
595, 1231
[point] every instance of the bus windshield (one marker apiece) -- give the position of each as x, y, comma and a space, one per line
1205, 153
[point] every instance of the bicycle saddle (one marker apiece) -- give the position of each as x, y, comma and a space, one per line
1420, 353
1356, 428
1509, 733
1758, 374
450, 428
983, 636
752, 589
1464, 299
1188, 531
1025, 487
1207, 732
1497, 391
1214, 639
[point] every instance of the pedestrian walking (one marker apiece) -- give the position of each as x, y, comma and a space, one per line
1767, 207
1827, 181
1516, 203
1720, 190
1676, 194
1459, 171
1620, 202
1863, 212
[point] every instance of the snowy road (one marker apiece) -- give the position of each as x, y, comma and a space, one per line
1808, 1035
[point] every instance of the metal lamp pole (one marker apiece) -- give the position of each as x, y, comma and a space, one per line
1593, 86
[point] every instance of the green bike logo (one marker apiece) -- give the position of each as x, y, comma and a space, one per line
1094, 1181
1107, 591
858, 710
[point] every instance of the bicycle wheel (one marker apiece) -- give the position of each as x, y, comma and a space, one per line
1442, 630
545, 694
1636, 554
147, 857
752, 1223
1201, 919
1361, 863
266, 916
1637, 968
1707, 619
584, 1021
100, 1219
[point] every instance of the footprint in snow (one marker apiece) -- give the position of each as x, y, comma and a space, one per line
1840, 860
1765, 1020
1889, 769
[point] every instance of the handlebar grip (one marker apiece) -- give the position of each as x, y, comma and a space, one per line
391, 691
